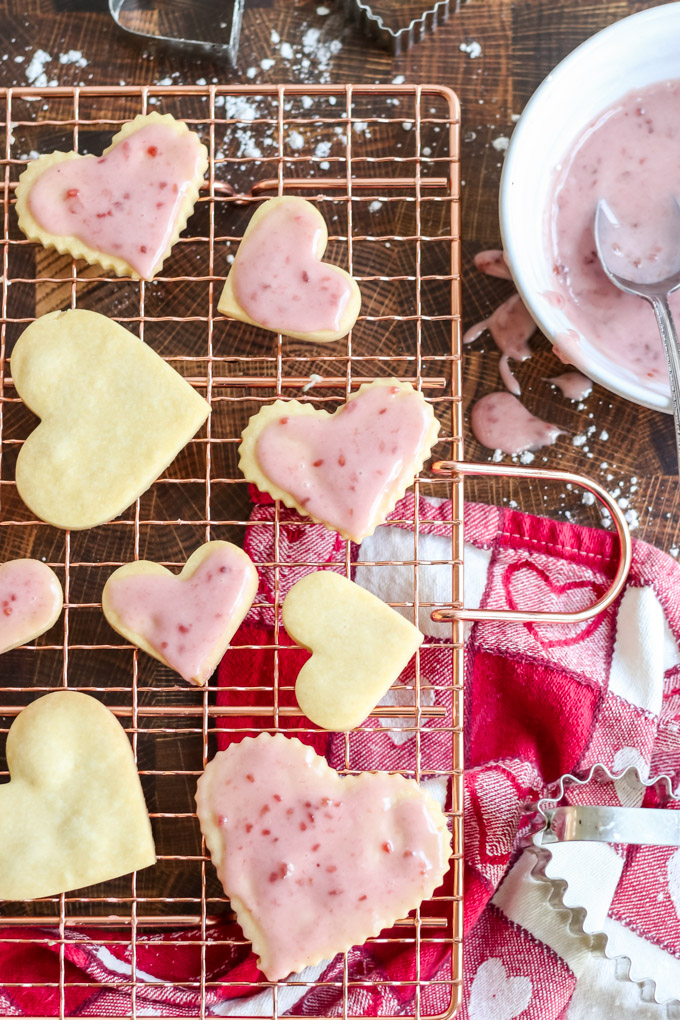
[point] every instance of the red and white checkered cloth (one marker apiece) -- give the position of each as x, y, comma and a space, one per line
541, 701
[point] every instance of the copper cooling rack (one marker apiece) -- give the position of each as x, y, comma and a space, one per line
381, 164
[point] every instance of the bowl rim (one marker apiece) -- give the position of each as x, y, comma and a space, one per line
621, 385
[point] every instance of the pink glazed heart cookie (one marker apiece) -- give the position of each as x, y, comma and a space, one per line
278, 280
346, 470
122, 210
185, 621
312, 862
31, 600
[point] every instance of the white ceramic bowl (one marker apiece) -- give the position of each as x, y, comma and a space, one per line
630, 54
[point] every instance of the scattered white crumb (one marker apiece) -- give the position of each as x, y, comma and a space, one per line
473, 49
579, 440
307, 101
296, 140
588, 498
526, 457
398, 79
35, 71
501, 143
605, 435
251, 72
267, 64
286, 51
73, 57
275, 37
497, 456
407, 125
632, 518
313, 380
322, 11
375, 206
230, 258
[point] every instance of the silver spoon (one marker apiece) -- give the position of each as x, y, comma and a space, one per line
656, 291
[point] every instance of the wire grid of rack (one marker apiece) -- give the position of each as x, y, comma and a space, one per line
381, 164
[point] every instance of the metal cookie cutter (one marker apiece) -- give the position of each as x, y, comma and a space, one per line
123, 13
399, 40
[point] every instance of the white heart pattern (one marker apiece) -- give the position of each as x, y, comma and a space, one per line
495, 996
629, 789
673, 875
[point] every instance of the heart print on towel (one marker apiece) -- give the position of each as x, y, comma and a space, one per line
184, 621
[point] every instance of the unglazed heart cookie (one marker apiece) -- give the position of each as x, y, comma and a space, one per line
359, 647
114, 416
346, 470
314, 863
184, 621
122, 210
278, 280
73, 813
31, 600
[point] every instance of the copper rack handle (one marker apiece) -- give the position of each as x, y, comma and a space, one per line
625, 553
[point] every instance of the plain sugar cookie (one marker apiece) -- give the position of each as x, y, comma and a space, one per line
73, 813
113, 416
123, 210
278, 281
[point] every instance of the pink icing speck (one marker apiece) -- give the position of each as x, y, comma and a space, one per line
278, 280
511, 326
340, 468
178, 617
500, 422
329, 877
29, 595
125, 203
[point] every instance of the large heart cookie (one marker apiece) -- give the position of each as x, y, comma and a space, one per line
185, 622
346, 470
31, 600
122, 210
359, 645
278, 280
314, 863
114, 416
74, 812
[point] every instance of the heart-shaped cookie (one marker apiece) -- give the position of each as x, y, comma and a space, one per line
31, 600
73, 813
114, 416
346, 470
122, 210
278, 280
359, 647
184, 621
314, 863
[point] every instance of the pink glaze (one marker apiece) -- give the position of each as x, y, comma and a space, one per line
318, 861
125, 203
574, 385
630, 155
30, 597
340, 468
510, 326
185, 620
500, 422
278, 279
492, 263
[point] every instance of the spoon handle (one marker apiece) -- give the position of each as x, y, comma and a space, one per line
669, 337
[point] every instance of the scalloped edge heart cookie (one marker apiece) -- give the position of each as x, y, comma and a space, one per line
228, 303
126, 584
284, 410
31, 601
71, 244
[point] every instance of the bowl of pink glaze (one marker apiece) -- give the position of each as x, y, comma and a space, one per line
604, 123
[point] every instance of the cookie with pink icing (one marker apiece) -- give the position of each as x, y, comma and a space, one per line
279, 281
346, 470
185, 621
123, 210
31, 601
313, 862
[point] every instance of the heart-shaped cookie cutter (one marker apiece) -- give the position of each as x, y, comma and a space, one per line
119, 8
600, 823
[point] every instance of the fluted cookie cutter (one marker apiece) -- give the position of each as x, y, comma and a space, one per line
119, 9
400, 39
608, 824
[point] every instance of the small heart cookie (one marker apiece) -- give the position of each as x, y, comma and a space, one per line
114, 416
278, 280
123, 210
73, 813
31, 600
346, 470
184, 621
359, 647
312, 862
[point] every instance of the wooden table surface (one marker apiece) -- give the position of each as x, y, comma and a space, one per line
493, 53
